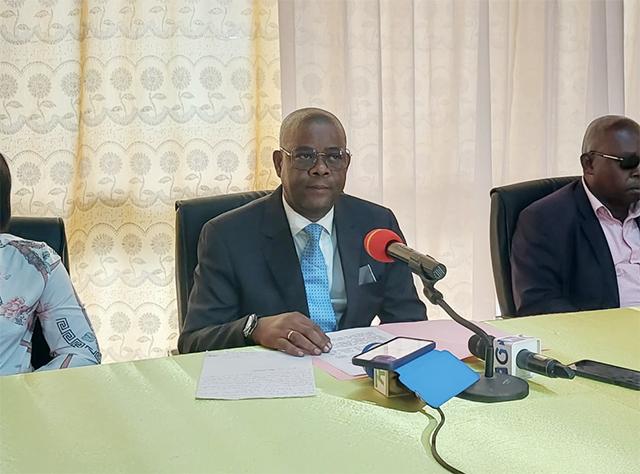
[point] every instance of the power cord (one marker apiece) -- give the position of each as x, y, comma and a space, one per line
434, 449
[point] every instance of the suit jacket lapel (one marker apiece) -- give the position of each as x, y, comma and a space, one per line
349, 241
593, 233
280, 255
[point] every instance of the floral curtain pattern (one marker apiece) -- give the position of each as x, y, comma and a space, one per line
110, 112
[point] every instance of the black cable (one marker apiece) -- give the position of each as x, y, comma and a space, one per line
434, 449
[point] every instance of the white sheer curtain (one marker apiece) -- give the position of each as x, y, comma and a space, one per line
443, 100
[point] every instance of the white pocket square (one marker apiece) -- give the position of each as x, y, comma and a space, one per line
366, 276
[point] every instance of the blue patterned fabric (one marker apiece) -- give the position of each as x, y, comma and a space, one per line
35, 285
316, 281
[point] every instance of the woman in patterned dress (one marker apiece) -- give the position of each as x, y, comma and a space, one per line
35, 284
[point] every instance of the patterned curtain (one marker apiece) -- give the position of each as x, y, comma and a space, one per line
110, 111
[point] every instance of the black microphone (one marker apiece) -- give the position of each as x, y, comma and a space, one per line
384, 245
510, 349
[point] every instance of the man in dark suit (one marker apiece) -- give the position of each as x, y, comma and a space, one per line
286, 269
579, 248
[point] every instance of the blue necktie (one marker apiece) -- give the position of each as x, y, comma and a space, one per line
316, 281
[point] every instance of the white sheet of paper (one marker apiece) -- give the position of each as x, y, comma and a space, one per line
350, 342
232, 375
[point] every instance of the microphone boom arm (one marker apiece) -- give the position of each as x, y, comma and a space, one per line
491, 387
435, 297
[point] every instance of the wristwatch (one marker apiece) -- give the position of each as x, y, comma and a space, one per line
250, 326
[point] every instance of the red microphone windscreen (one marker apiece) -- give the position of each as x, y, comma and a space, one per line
377, 241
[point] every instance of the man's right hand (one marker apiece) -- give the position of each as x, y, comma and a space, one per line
292, 333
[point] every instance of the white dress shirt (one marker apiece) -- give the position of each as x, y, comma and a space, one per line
330, 252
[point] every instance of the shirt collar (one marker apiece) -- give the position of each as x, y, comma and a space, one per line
596, 205
297, 222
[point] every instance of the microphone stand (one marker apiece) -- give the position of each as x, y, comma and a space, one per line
492, 386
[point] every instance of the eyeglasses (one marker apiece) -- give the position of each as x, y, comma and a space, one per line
304, 158
628, 162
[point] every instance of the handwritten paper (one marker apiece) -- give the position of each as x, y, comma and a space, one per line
349, 343
233, 375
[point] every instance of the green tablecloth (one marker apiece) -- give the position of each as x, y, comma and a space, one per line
142, 417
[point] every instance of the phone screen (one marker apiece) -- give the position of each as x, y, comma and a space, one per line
608, 373
394, 353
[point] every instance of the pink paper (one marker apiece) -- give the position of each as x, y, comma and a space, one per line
447, 334
331, 370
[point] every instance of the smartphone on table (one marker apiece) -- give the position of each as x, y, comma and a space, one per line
607, 373
393, 353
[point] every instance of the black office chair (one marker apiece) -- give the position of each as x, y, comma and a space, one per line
506, 204
191, 216
51, 231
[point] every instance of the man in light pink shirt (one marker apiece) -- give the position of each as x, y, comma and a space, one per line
623, 239
579, 248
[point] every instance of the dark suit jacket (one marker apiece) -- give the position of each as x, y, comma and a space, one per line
560, 259
247, 263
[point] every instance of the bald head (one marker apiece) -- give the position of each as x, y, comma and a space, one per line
5, 194
302, 118
608, 142
601, 129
